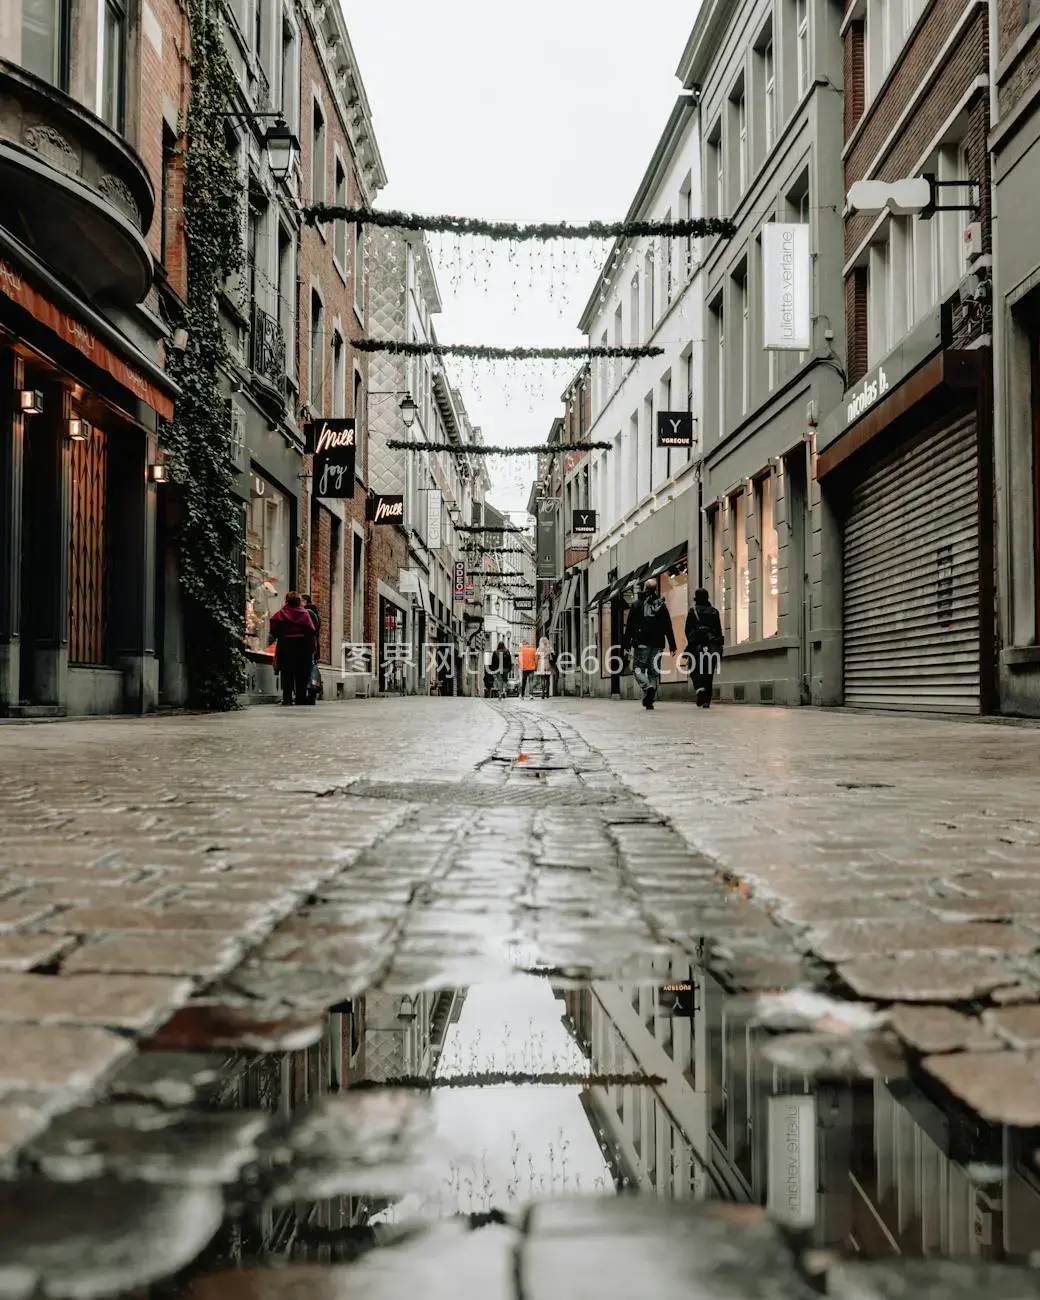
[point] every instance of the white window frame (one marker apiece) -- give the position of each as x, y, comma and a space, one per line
769, 82
339, 371
318, 107
339, 226
743, 167
801, 9
745, 344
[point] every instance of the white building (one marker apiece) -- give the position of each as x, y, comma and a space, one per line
438, 486
645, 495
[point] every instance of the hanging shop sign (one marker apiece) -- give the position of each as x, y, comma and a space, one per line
674, 429
384, 509
583, 521
792, 1178
333, 444
434, 536
787, 287
523, 604
459, 579
547, 551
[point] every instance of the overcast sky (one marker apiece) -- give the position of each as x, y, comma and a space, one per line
543, 110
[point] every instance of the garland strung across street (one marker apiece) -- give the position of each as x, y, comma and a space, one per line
485, 528
538, 449
686, 228
478, 352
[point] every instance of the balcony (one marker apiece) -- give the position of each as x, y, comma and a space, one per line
267, 361
73, 190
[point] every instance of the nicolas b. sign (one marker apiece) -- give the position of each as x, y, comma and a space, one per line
333, 444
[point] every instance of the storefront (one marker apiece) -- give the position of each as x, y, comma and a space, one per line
79, 407
906, 462
395, 650
268, 533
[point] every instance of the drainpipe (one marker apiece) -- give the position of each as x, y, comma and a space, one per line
1001, 450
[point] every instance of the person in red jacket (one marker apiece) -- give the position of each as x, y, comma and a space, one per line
296, 643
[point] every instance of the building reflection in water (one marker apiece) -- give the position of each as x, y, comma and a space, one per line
868, 1166
872, 1167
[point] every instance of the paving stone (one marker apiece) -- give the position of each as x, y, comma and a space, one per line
199, 955
911, 1279
669, 1250
922, 977
84, 1241
940, 1029
95, 920
119, 1001
25, 952
18, 1123
47, 1058
1018, 1026
867, 939
1002, 1087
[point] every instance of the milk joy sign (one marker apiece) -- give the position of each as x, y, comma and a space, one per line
787, 287
333, 444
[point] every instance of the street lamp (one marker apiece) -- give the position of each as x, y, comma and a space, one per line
408, 409
282, 149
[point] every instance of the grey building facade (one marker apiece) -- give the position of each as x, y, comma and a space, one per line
768, 76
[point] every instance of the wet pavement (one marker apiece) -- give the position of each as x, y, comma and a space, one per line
539, 1000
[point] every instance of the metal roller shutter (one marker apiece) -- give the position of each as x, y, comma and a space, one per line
911, 570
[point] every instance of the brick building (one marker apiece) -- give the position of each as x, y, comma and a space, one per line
904, 461
1015, 146
89, 113
344, 558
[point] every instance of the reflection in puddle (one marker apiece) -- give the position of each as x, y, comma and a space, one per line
476, 1102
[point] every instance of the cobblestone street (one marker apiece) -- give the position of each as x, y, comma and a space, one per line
674, 917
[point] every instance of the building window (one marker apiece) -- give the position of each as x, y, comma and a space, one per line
666, 253
649, 295
339, 376
769, 579
317, 154
742, 574
339, 226
169, 145
716, 172
769, 93
317, 377
801, 25
888, 27
718, 312
686, 214
619, 339
287, 288
268, 552
359, 271
740, 107
113, 66
744, 306
288, 73
45, 40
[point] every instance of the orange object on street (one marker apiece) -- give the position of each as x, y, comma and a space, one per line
528, 658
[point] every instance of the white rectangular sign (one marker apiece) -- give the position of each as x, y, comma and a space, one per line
787, 287
791, 1197
433, 519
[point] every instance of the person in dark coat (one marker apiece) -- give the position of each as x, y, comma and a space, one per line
501, 667
704, 642
296, 643
312, 609
647, 632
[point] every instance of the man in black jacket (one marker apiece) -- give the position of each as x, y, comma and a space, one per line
648, 630
704, 641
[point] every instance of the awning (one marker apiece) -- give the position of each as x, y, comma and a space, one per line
666, 561
563, 604
599, 597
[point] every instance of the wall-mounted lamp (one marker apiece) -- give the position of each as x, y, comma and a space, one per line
406, 1011
408, 409
179, 341
157, 472
282, 149
79, 430
30, 402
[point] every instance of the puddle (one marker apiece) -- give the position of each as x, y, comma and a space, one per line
469, 1104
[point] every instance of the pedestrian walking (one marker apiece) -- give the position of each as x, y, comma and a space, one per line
316, 686
648, 630
704, 642
501, 668
296, 643
545, 657
528, 663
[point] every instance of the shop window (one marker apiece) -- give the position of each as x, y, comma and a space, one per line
675, 591
742, 573
769, 579
268, 522
113, 65
45, 40
718, 562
